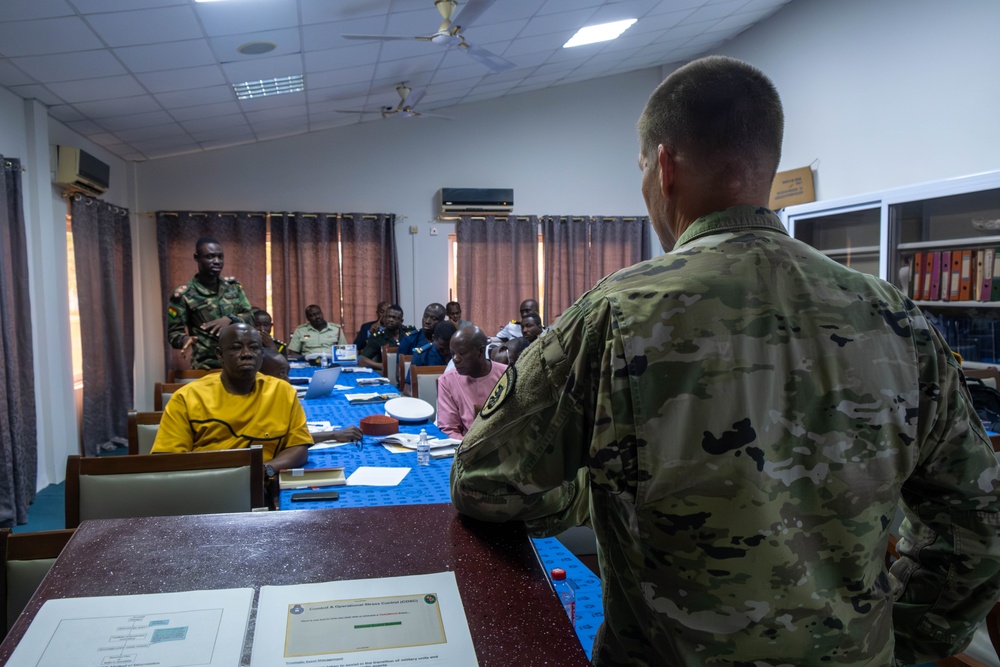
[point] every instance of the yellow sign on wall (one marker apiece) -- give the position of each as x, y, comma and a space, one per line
791, 187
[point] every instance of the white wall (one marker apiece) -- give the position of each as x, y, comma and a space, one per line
883, 94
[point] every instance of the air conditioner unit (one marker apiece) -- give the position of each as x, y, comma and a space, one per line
80, 171
477, 200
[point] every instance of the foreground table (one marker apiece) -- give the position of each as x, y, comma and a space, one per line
513, 616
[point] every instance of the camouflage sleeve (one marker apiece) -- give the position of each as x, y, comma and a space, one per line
524, 457
242, 309
177, 320
948, 574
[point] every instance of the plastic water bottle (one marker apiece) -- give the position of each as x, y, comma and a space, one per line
566, 591
423, 449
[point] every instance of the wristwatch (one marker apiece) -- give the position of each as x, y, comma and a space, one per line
269, 471
233, 319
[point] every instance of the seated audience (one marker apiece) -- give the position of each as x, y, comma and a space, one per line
317, 336
508, 352
237, 408
469, 385
263, 323
438, 353
513, 328
433, 314
368, 328
390, 333
531, 327
274, 364
453, 309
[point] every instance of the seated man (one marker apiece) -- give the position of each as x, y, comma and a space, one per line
508, 352
390, 333
276, 365
531, 326
453, 309
263, 323
433, 314
317, 336
469, 385
438, 353
237, 408
513, 328
368, 328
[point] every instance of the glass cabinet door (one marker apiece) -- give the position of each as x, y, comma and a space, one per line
850, 237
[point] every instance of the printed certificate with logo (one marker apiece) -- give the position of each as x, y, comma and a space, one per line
370, 622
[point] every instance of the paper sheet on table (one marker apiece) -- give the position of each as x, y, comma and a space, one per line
328, 445
169, 629
417, 619
342, 387
372, 476
320, 425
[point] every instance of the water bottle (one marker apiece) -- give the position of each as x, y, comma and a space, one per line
566, 591
423, 449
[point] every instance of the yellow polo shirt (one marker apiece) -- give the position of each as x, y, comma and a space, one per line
203, 415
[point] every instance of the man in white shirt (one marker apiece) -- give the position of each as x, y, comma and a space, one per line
460, 391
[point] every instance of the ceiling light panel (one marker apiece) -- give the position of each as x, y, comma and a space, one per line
602, 32
279, 86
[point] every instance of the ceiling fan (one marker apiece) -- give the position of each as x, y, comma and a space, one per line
449, 33
408, 98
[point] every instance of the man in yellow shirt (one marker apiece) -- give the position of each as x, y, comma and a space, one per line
237, 408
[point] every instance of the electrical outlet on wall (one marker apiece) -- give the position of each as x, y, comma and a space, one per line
414, 229
434, 231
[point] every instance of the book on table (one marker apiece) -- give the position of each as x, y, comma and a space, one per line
304, 478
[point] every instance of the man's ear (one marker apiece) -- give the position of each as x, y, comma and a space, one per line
218, 353
668, 169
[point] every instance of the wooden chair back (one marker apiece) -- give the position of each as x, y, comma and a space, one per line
27, 558
183, 376
162, 391
117, 487
403, 365
389, 361
142, 427
423, 383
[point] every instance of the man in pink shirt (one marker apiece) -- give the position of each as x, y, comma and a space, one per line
469, 385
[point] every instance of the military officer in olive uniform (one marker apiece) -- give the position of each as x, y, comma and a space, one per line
199, 309
317, 335
390, 333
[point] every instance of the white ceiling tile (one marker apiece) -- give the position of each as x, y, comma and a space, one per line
69, 66
227, 143
715, 10
147, 26
104, 139
279, 132
559, 24
158, 143
272, 102
85, 127
173, 151
229, 18
740, 22
330, 59
330, 35
262, 115
328, 121
285, 41
206, 110
216, 123
659, 22
38, 92
677, 5
21, 10
181, 79
118, 107
323, 11
134, 120
341, 77
171, 130
12, 76
263, 68
423, 21
64, 112
88, 90
59, 35
196, 97
403, 70
172, 55
619, 11
100, 6
236, 131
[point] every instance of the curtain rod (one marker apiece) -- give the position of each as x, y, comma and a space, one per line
366, 216
195, 213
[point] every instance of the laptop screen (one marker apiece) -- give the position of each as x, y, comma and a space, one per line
345, 355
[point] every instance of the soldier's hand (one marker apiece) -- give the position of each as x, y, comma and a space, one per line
187, 346
349, 434
215, 326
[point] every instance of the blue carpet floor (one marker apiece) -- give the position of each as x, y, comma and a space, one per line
48, 512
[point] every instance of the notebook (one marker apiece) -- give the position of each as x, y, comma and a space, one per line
322, 383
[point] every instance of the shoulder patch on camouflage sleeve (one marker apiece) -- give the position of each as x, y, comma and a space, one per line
503, 388
180, 290
172, 312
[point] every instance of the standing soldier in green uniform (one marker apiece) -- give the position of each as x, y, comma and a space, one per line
204, 305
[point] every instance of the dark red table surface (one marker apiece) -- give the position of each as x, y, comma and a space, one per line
513, 616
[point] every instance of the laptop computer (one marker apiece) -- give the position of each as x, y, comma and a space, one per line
322, 383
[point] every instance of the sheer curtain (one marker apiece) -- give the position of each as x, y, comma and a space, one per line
102, 243
305, 268
242, 236
18, 440
497, 267
370, 270
579, 251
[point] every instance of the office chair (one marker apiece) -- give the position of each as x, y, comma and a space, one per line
423, 383
27, 558
142, 428
162, 391
183, 376
119, 487
389, 361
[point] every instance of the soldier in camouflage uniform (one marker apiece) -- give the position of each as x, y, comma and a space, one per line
202, 307
738, 419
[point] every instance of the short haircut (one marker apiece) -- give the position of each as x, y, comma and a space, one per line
444, 330
533, 316
515, 346
395, 306
313, 305
436, 308
723, 115
257, 312
452, 303
203, 240
272, 360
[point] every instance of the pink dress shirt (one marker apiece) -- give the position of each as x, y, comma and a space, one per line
457, 394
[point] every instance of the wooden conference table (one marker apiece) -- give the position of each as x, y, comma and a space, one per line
512, 614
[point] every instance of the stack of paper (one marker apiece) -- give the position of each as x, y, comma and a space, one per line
360, 399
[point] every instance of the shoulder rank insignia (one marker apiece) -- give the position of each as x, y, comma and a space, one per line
503, 388
232, 280
180, 290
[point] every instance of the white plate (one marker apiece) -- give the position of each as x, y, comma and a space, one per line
407, 409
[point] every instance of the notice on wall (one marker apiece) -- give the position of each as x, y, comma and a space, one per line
791, 187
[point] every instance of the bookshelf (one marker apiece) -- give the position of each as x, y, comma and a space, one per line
896, 234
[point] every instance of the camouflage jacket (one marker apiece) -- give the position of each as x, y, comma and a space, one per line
373, 348
192, 304
737, 419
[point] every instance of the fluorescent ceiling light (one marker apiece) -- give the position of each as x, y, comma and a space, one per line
598, 33
283, 84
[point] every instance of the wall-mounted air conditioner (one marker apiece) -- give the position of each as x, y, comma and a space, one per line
477, 200
80, 171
